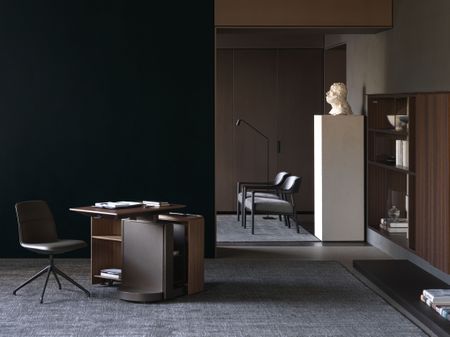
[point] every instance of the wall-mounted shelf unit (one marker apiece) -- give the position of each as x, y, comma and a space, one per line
390, 179
419, 188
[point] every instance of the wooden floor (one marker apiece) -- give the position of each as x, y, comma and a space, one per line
403, 282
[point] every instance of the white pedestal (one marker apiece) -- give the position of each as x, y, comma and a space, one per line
339, 178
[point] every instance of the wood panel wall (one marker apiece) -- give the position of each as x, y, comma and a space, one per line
278, 91
299, 99
306, 13
432, 179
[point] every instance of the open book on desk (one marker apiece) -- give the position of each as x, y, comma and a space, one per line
117, 204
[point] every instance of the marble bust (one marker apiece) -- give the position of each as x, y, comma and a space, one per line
337, 98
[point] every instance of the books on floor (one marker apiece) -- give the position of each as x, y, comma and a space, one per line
155, 203
111, 273
117, 204
438, 299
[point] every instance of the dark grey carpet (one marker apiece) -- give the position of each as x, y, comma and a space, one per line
230, 230
242, 298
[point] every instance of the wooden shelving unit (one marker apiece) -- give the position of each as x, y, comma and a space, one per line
427, 179
385, 179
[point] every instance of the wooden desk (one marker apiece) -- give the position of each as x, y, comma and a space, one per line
161, 255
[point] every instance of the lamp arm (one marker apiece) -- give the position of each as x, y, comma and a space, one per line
251, 126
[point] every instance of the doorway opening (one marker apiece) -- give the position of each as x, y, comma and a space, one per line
272, 82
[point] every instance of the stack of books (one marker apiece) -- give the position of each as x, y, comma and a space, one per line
400, 225
439, 300
111, 273
155, 203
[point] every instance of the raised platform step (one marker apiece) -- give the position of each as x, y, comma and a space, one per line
403, 281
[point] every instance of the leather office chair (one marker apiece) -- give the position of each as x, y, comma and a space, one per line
281, 206
279, 179
37, 232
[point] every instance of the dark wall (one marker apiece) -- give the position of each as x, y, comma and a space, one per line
105, 100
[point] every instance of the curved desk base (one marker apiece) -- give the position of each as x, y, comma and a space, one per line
136, 295
161, 255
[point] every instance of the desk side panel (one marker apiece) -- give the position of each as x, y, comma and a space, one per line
196, 238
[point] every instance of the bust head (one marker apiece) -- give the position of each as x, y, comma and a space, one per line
337, 98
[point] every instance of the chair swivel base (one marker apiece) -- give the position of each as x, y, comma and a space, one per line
51, 269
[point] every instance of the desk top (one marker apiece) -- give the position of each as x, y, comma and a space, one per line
125, 212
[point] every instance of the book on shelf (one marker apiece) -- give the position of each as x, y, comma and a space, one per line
394, 229
155, 203
398, 153
400, 225
402, 153
117, 204
405, 154
437, 296
442, 310
399, 222
111, 273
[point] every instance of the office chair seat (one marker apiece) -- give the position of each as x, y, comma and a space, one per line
55, 247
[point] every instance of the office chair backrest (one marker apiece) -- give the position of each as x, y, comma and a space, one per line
291, 184
35, 221
280, 178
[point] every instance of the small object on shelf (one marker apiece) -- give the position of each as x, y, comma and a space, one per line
390, 160
399, 122
394, 213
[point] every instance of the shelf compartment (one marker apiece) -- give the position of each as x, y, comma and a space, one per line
391, 132
116, 238
398, 238
401, 169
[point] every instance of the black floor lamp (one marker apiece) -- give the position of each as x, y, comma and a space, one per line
238, 122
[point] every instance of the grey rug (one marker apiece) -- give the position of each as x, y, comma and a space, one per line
230, 230
262, 298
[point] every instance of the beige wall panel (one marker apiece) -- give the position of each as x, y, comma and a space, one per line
306, 13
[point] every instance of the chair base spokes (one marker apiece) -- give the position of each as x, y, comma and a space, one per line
51, 269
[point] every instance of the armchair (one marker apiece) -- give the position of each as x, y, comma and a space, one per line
283, 205
267, 190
